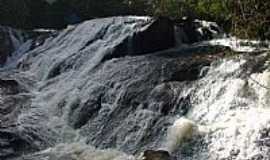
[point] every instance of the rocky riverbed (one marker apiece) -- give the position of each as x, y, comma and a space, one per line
123, 88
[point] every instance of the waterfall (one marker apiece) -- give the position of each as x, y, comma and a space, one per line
114, 88
233, 110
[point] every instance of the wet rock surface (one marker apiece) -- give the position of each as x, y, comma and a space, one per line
156, 155
13, 99
9, 42
14, 43
141, 98
94, 87
125, 103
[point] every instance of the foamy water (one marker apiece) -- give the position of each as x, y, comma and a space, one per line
232, 110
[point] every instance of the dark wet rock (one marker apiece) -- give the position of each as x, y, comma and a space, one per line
80, 114
11, 98
264, 143
258, 157
10, 87
164, 99
11, 104
156, 155
136, 99
157, 35
189, 31
12, 144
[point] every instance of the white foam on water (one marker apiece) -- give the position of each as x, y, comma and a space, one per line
146, 18
209, 25
235, 110
241, 45
80, 151
181, 129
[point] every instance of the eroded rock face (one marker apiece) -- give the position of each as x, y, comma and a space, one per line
13, 98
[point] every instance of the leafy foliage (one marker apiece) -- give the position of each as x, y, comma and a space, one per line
244, 18
23, 13
251, 18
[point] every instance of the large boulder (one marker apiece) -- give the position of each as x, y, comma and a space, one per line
154, 35
158, 36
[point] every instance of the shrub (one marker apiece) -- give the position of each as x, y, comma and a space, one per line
244, 18
251, 19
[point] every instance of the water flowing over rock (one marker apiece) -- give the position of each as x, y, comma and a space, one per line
96, 91
10, 41
14, 43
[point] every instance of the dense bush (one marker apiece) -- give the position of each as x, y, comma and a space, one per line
251, 18
244, 18
212, 10
24, 13
13, 12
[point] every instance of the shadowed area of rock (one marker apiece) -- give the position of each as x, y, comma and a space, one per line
156, 155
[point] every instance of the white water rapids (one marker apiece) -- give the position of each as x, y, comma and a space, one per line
228, 118
228, 113
232, 111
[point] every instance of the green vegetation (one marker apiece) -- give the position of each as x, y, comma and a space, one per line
24, 13
251, 19
244, 18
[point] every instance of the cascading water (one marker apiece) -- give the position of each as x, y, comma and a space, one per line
231, 105
96, 91
15, 43
11, 40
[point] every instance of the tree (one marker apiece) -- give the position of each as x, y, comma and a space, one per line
14, 13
